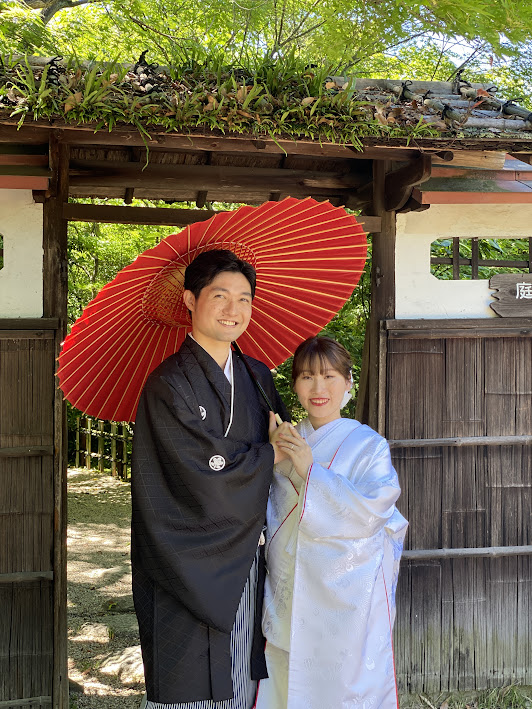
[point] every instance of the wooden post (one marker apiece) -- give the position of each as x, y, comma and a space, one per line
55, 290
88, 443
124, 452
119, 455
456, 258
101, 449
382, 300
82, 440
113, 449
362, 404
77, 441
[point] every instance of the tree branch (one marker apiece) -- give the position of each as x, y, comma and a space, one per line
296, 29
440, 57
293, 36
145, 26
367, 52
51, 8
466, 61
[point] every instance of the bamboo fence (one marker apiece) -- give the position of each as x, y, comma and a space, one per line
105, 443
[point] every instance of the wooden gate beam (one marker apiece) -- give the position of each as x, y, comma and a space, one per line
159, 216
399, 184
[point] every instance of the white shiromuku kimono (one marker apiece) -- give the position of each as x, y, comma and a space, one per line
333, 549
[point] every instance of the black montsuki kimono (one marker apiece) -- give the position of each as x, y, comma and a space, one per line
199, 504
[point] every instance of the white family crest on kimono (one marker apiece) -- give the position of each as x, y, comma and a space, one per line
333, 551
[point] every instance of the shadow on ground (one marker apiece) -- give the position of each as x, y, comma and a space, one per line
105, 666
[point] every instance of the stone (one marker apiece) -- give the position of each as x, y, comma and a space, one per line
126, 665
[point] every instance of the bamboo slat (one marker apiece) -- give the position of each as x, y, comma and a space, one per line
27, 362
463, 441
21, 324
434, 554
26, 640
24, 451
26, 334
460, 423
29, 702
26, 576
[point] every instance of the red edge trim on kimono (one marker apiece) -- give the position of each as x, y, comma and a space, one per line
259, 681
279, 527
310, 469
391, 637
256, 695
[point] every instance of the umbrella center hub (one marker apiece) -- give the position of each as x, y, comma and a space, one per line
163, 298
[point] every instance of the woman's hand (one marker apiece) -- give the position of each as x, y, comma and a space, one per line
275, 433
295, 448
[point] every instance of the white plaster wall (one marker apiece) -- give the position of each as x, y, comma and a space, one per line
418, 293
21, 285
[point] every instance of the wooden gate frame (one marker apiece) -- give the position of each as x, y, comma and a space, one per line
55, 294
388, 192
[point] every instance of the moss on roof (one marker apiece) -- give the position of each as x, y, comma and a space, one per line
278, 100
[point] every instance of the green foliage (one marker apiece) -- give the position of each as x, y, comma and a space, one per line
23, 31
96, 252
343, 32
488, 249
279, 99
510, 697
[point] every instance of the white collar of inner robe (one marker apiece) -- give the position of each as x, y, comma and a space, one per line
314, 435
228, 369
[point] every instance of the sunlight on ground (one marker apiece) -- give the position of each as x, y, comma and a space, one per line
104, 653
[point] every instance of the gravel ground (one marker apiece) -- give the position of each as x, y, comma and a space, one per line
105, 667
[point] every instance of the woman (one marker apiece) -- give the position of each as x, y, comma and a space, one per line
334, 542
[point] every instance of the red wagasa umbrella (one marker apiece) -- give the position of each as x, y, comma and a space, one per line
308, 256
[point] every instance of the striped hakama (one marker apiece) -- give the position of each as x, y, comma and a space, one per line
244, 688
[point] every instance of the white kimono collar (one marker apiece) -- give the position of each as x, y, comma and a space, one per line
314, 436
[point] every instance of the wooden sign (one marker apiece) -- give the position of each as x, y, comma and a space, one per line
513, 294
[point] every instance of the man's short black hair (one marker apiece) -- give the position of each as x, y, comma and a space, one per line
203, 270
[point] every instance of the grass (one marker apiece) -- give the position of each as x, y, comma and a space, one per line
510, 697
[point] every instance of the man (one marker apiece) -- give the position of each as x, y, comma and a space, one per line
202, 467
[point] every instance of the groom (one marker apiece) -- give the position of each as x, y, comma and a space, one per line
202, 467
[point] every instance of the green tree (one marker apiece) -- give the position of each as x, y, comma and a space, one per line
344, 33
96, 252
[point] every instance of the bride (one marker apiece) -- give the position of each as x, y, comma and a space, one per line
333, 548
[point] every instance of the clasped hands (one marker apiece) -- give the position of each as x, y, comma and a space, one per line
288, 444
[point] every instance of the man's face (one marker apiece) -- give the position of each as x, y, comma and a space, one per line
222, 311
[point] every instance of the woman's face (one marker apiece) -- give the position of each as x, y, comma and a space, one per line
320, 393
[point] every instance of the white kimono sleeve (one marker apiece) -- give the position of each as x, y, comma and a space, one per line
353, 503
